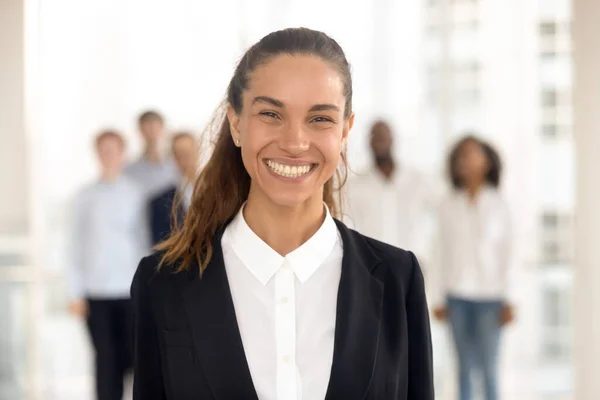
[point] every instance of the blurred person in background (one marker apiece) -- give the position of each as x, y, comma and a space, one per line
185, 153
391, 202
473, 266
262, 294
152, 171
109, 234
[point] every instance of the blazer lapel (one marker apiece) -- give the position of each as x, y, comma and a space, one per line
358, 320
211, 315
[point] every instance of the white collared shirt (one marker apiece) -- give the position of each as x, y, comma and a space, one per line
285, 308
475, 258
398, 211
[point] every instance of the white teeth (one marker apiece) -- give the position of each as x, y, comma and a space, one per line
287, 170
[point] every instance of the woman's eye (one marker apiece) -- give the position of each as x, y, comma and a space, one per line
269, 114
322, 119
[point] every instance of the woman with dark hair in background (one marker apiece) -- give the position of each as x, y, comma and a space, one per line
474, 261
262, 293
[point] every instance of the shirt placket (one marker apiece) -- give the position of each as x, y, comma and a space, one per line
285, 332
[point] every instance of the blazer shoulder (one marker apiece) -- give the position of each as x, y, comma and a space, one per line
150, 268
401, 263
164, 196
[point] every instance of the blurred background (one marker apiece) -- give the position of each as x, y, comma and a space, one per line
432, 68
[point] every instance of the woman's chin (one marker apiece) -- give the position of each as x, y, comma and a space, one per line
290, 199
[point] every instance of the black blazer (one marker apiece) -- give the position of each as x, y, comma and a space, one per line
188, 345
161, 208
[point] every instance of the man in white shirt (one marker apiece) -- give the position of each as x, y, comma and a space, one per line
390, 201
185, 152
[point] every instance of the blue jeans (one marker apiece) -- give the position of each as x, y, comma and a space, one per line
476, 331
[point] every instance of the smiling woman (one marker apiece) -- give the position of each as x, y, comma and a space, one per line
262, 293
292, 117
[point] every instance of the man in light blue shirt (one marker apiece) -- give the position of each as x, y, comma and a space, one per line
152, 171
109, 237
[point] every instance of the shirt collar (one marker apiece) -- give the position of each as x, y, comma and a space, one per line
486, 192
399, 175
263, 262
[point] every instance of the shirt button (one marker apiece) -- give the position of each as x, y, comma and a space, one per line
284, 300
286, 359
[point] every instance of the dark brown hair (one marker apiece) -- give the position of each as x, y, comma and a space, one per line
109, 134
494, 172
149, 116
223, 184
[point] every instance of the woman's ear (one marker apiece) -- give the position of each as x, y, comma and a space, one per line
234, 123
348, 124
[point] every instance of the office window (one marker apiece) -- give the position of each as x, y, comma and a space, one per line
433, 84
464, 45
468, 96
549, 98
556, 239
467, 73
432, 29
556, 321
551, 252
552, 308
550, 221
554, 131
561, 221
548, 28
547, 55
550, 130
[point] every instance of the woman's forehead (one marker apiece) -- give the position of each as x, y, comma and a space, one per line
297, 80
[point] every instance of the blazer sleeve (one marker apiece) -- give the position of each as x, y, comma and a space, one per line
147, 380
155, 217
420, 355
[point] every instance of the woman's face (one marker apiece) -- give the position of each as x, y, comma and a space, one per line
472, 163
291, 128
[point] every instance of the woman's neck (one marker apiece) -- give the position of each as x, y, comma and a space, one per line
473, 190
284, 228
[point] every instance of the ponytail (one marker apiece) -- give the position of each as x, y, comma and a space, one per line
220, 190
